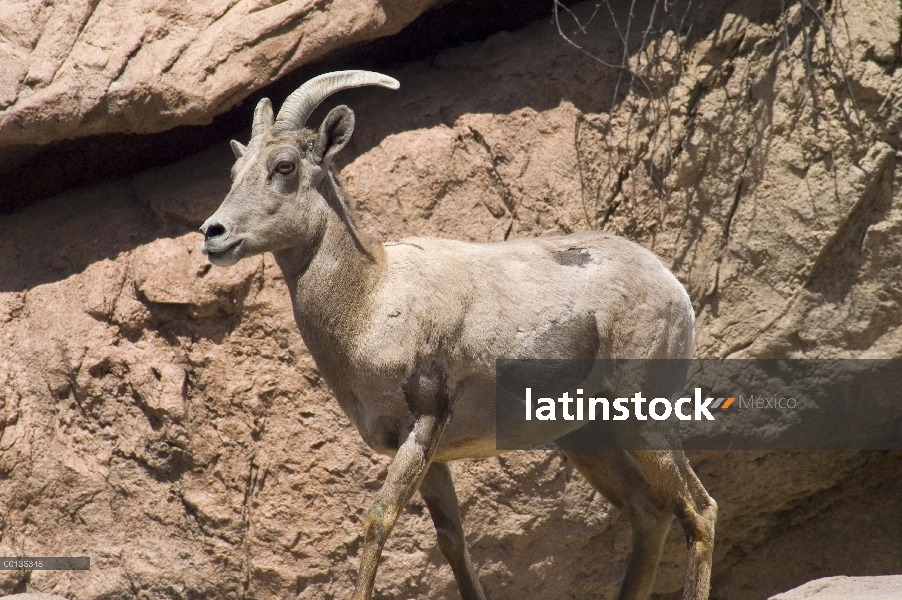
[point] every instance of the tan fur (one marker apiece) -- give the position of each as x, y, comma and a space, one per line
407, 334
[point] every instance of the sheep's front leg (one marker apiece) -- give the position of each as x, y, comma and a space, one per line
437, 489
404, 476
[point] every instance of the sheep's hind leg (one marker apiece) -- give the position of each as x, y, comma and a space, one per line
673, 480
437, 489
616, 475
404, 476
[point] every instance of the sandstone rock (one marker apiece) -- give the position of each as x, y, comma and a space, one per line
847, 588
72, 68
31, 596
167, 421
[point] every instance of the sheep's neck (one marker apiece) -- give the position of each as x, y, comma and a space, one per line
330, 286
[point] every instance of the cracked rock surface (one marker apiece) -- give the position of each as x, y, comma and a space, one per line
165, 418
72, 68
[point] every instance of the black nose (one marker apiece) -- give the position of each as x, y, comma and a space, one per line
213, 230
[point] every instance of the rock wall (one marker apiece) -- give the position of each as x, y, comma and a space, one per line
77, 67
164, 417
846, 588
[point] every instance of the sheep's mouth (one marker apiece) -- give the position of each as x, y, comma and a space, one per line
226, 256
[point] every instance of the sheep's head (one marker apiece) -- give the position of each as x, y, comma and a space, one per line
276, 200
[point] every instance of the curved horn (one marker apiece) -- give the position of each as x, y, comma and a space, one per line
262, 117
303, 101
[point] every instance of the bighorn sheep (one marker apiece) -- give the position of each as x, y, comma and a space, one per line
407, 334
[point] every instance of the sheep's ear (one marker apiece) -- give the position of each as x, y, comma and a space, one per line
238, 148
333, 134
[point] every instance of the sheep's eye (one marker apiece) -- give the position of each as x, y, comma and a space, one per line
285, 167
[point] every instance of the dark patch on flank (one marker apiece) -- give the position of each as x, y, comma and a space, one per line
572, 257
